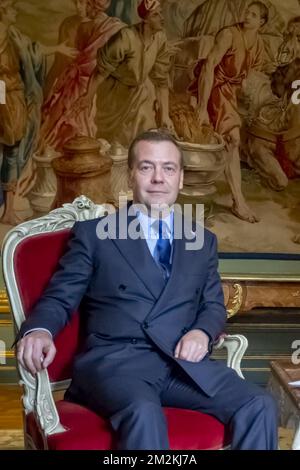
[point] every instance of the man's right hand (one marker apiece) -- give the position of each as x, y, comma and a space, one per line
36, 351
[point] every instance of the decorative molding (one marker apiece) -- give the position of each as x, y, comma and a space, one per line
4, 303
242, 296
45, 406
262, 278
260, 357
236, 302
270, 326
7, 355
6, 323
236, 346
268, 357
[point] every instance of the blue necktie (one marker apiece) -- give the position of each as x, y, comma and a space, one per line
162, 251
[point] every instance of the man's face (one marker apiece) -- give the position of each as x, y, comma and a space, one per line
156, 176
253, 19
155, 20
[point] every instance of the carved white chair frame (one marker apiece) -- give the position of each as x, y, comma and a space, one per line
38, 397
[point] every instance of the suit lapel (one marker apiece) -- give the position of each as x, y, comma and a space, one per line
182, 260
137, 255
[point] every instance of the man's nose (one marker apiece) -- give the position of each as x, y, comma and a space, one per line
158, 175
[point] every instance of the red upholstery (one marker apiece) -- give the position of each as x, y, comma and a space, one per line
35, 260
88, 431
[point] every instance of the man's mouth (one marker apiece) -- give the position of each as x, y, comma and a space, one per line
157, 192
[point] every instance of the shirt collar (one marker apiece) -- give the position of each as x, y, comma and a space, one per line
146, 223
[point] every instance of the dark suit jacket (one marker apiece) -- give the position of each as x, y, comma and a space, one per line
134, 319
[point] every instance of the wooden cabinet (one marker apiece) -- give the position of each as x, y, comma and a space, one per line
244, 294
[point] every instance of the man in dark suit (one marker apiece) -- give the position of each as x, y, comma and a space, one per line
153, 309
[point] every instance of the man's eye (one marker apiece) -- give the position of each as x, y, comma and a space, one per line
145, 168
169, 170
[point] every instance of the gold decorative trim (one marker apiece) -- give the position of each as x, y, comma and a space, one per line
7, 355
273, 357
4, 303
256, 326
6, 323
260, 277
236, 301
259, 357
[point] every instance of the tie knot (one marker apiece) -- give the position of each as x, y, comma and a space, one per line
161, 227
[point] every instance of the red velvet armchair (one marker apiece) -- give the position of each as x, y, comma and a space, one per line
30, 255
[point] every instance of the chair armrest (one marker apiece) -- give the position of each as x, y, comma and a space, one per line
45, 407
236, 346
38, 399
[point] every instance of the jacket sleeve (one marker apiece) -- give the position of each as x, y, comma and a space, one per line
67, 286
211, 315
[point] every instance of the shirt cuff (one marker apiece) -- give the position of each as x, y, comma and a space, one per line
210, 341
37, 329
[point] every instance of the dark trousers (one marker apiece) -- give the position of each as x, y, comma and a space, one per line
134, 408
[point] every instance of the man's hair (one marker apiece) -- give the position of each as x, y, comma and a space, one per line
264, 11
152, 135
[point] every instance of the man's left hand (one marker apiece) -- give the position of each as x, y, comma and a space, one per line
193, 346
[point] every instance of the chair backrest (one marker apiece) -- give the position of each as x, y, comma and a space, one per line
31, 252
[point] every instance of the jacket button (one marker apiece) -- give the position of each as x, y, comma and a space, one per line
122, 287
146, 325
133, 341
